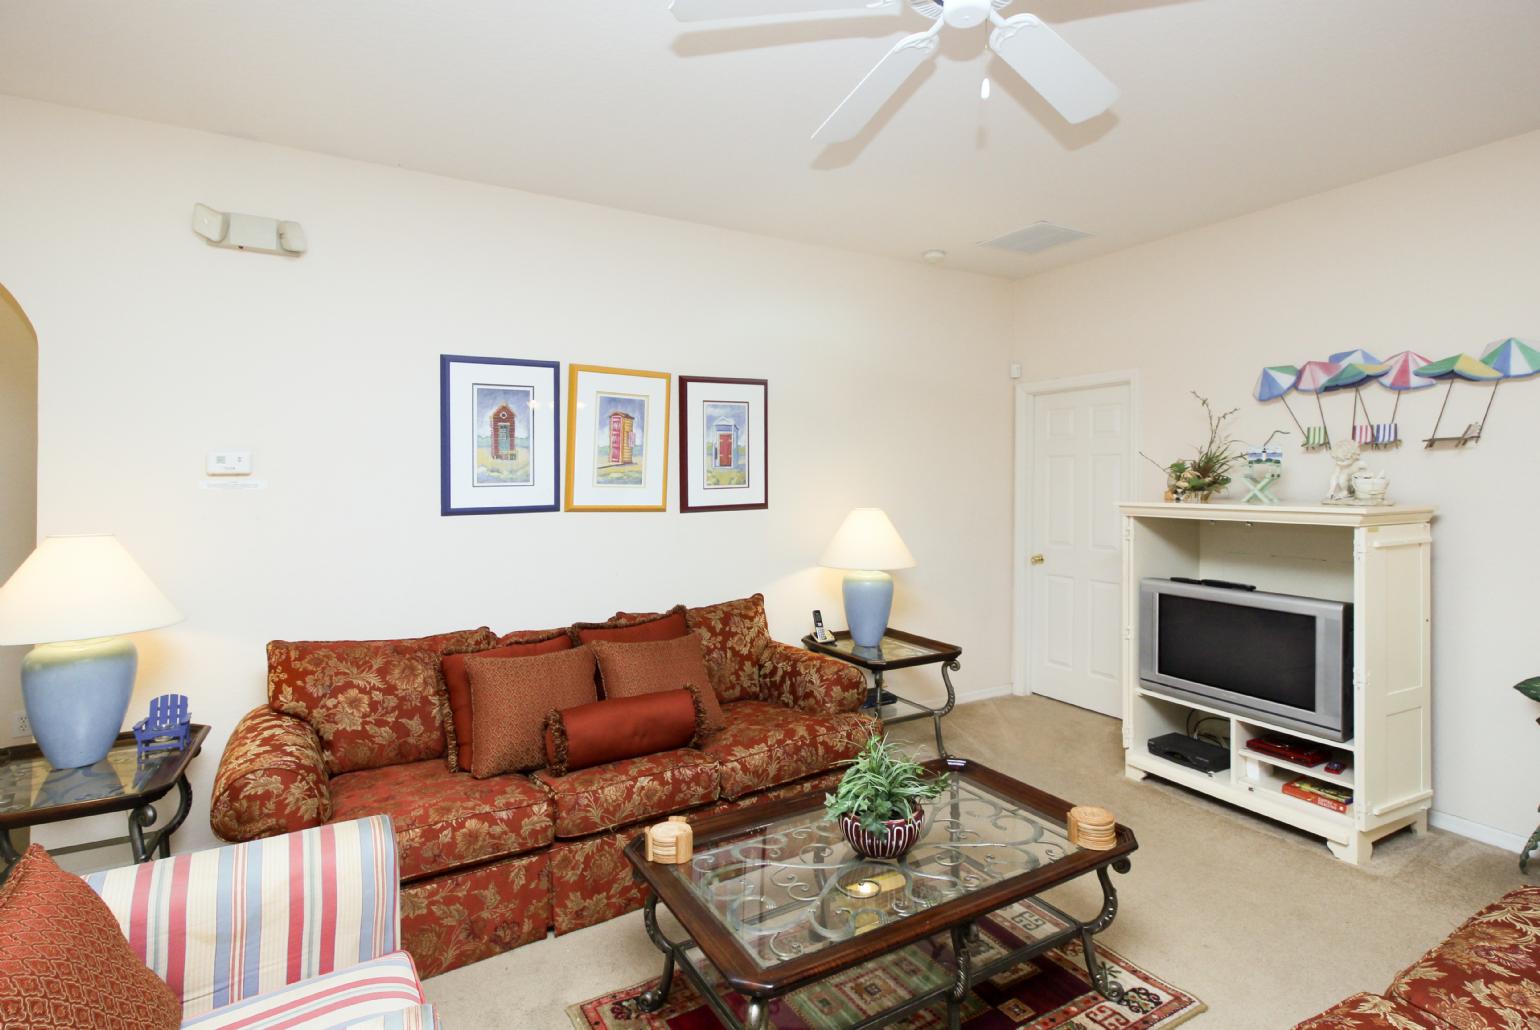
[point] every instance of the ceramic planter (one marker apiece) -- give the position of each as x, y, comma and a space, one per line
900, 836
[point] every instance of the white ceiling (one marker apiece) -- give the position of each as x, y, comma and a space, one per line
1227, 105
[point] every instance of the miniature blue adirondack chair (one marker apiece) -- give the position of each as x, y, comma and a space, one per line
167, 726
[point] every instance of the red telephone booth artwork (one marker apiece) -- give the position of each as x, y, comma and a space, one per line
622, 437
726, 443
504, 426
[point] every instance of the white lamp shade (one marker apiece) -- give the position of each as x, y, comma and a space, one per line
867, 540
79, 587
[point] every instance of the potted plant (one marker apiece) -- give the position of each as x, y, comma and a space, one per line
1207, 472
878, 800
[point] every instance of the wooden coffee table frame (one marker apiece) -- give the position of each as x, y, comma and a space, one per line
956, 917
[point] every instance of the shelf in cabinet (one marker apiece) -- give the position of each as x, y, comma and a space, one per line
1341, 779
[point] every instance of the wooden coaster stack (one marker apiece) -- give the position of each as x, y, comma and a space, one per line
671, 843
1092, 828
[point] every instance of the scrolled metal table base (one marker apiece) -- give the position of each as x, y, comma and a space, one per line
143, 817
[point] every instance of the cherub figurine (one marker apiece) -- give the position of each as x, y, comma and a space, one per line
1347, 457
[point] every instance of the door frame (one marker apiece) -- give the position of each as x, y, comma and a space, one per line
1021, 547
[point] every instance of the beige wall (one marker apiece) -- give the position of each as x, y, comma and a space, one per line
18, 474
888, 386
1438, 258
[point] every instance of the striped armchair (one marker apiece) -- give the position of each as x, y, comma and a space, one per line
298, 931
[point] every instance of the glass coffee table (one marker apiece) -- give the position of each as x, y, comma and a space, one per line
774, 900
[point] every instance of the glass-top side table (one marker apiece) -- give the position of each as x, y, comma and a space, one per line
897, 650
32, 793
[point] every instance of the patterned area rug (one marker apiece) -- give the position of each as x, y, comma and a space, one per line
1052, 992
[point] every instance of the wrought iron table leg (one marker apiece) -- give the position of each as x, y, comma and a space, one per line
757, 1015
1529, 846
9, 853
1105, 985
655, 999
951, 702
143, 817
963, 980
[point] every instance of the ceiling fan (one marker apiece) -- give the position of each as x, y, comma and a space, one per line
1069, 82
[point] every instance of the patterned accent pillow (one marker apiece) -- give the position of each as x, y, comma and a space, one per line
65, 964
509, 701
734, 636
372, 702
457, 684
633, 627
618, 728
629, 670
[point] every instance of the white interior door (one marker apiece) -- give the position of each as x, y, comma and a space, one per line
1081, 456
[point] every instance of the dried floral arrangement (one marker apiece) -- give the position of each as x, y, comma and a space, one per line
1207, 472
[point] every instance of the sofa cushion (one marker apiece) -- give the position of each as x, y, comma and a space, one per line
623, 727
510, 698
653, 666
372, 702
633, 627
444, 820
65, 964
764, 745
629, 791
1371, 1012
457, 684
378, 987
1486, 973
734, 635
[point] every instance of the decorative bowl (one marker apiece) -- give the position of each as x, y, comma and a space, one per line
894, 841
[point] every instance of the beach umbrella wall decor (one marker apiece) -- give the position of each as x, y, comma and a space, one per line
1313, 377
1515, 359
1401, 373
1274, 383
1352, 377
1453, 369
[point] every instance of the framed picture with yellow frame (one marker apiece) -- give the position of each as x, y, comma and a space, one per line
617, 439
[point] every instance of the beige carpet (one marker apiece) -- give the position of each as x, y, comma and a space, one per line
1257, 920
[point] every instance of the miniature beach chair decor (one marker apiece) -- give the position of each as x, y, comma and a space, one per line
1453, 368
166, 728
1313, 377
1264, 467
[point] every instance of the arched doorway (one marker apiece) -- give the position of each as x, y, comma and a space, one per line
18, 478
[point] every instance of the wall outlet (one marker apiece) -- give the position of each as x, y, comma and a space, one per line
21, 726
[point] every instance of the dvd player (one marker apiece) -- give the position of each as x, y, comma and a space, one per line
1191, 752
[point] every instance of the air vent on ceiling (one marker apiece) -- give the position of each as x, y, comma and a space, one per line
1036, 238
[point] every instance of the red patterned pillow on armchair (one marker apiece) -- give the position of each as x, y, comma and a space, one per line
734, 635
373, 703
65, 964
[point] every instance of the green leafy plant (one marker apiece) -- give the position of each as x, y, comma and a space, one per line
1209, 469
882, 784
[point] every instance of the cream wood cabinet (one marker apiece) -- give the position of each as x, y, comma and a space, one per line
1377, 558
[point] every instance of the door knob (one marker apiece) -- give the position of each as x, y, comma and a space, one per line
1038, 559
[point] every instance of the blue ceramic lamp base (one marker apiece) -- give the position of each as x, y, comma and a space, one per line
77, 693
868, 603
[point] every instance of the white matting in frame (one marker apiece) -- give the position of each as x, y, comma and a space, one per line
617, 439
723, 444
499, 435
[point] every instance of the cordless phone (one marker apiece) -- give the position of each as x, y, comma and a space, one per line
820, 634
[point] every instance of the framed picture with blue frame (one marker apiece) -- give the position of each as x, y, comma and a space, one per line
723, 446
499, 435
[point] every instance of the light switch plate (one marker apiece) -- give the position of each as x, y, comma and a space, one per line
229, 463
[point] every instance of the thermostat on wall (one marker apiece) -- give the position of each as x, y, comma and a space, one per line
229, 463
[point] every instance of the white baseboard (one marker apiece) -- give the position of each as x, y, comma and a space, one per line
1477, 831
984, 693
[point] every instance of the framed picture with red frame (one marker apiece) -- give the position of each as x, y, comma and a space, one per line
723, 446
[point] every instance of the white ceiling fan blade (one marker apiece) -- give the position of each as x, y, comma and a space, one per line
710, 10
877, 88
1054, 68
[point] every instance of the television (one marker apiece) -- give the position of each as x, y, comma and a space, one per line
1284, 660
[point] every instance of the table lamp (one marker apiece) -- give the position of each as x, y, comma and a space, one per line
72, 598
867, 545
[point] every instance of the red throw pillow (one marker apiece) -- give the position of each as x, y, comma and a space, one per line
509, 701
623, 727
634, 627
628, 670
65, 964
734, 637
524, 644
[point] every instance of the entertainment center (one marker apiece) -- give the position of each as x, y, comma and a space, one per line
1378, 777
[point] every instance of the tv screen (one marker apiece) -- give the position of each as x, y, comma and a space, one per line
1257, 652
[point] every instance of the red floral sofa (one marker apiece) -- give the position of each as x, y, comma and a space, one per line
355, 729
1485, 975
